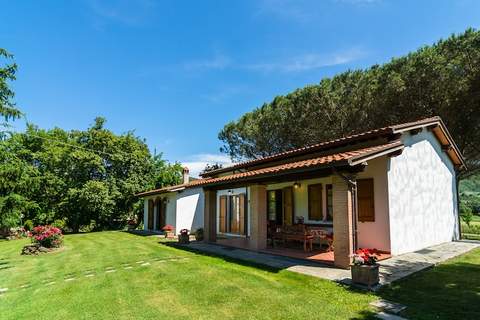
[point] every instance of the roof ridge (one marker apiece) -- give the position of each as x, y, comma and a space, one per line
319, 144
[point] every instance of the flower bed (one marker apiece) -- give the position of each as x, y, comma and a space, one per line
47, 236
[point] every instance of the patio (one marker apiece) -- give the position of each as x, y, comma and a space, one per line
391, 269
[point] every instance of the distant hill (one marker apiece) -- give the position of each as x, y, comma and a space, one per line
470, 193
471, 185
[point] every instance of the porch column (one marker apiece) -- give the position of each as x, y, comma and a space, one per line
342, 222
258, 216
209, 217
145, 214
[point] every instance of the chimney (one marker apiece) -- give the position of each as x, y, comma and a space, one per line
185, 172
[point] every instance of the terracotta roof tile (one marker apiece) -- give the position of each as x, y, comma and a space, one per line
323, 145
325, 160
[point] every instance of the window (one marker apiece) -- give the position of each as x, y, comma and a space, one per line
365, 198
274, 206
315, 209
232, 214
329, 191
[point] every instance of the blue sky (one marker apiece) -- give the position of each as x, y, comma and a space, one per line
177, 71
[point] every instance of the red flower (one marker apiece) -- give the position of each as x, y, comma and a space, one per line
168, 227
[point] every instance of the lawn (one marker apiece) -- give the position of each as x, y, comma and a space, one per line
152, 280
473, 231
449, 291
199, 287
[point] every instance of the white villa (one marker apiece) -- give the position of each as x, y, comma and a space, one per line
393, 189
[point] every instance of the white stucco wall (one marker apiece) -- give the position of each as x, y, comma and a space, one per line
171, 217
422, 195
189, 209
376, 234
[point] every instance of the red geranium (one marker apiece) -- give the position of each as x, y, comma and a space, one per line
168, 228
365, 256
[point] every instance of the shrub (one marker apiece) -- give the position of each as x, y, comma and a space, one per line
47, 236
472, 229
467, 216
28, 225
199, 234
89, 228
60, 224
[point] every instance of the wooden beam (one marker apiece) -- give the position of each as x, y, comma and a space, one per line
447, 148
394, 154
415, 131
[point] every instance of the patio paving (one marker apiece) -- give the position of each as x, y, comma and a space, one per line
391, 269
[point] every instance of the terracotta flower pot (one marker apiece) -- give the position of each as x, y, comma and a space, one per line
184, 238
365, 274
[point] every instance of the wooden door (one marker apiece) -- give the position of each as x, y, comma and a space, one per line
161, 213
163, 216
150, 215
288, 212
222, 219
158, 204
315, 206
243, 214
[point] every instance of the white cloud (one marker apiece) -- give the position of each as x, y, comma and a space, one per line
303, 62
359, 2
310, 61
302, 11
224, 93
128, 12
196, 163
218, 61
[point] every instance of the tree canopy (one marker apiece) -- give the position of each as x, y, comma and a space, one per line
85, 178
8, 109
442, 79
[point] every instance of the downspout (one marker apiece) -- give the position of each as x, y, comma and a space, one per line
459, 221
352, 184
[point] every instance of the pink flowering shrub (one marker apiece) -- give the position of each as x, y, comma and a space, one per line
47, 236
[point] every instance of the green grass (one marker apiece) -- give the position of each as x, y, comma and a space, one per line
471, 232
449, 291
199, 287
204, 287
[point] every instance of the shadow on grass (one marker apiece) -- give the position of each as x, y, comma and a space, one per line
4, 264
226, 258
142, 233
447, 291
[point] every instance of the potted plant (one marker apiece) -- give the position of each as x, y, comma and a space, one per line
168, 229
131, 224
199, 234
184, 237
365, 267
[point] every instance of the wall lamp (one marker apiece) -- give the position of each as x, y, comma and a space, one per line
296, 185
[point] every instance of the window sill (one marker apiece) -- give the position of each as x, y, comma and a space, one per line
320, 223
231, 235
